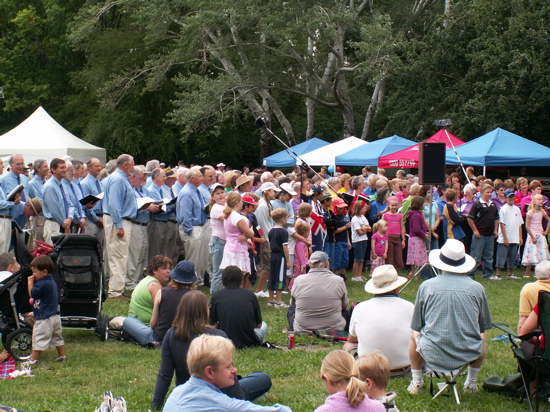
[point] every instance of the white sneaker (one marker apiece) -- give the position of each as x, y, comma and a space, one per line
119, 405
495, 278
282, 305
261, 294
415, 388
470, 388
354, 279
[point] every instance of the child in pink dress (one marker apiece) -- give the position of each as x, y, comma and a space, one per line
396, 234
536, 246
301, 253
379, 245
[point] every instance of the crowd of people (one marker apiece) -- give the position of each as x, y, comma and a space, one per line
252, 235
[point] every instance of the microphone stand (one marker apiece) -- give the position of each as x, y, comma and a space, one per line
261, 122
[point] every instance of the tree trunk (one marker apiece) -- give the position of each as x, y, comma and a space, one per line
340, 85
377, 97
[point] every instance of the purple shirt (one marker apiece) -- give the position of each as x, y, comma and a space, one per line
339, 402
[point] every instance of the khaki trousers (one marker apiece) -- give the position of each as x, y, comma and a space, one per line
197, 248
117, 249
5, 235
137, 256
51, 229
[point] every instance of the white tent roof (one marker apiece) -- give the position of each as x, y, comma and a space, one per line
325, 156
41, 137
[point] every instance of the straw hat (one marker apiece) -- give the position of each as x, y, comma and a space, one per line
384, 279
36, 205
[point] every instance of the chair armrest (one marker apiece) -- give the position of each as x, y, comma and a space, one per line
530, 335
505, 328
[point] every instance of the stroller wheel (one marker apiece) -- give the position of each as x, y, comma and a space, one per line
103, 328
19, 344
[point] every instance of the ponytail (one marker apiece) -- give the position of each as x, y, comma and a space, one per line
356, 391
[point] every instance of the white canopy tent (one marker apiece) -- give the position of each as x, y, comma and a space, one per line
326, 156
41, 137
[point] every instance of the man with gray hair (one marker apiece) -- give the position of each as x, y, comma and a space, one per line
119, 208
41, 171
149, 167
139, 241
319, 298
194, 224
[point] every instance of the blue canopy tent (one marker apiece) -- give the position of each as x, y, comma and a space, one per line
500, 148
368, 155
285, 159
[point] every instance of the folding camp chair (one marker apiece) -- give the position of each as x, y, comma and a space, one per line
537, 367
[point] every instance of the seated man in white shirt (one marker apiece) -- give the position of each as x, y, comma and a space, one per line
384, 322
210, 363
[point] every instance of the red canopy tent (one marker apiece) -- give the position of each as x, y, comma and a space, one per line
409, 157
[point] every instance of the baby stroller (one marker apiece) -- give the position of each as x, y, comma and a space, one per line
16, 330
79, 275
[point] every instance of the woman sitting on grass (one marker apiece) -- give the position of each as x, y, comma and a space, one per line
141, 305
347, 393
191, 321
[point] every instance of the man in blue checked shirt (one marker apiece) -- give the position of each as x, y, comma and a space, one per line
57, 207
119, 209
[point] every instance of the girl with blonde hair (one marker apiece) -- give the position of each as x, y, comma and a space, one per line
346, 392
236, 252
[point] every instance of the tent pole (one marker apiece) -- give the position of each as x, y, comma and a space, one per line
458, 157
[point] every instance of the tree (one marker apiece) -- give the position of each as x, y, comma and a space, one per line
486, 67
247, 59
35, 57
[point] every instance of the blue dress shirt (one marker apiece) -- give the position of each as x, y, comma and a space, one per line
10, 182
56, 204
92, 186
190, 208
205, 192
119, 201
143, 216
156, 192
176, 189
75, 195
35, 188
5, 206
198, 395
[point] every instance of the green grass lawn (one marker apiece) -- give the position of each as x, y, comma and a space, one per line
130, 371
